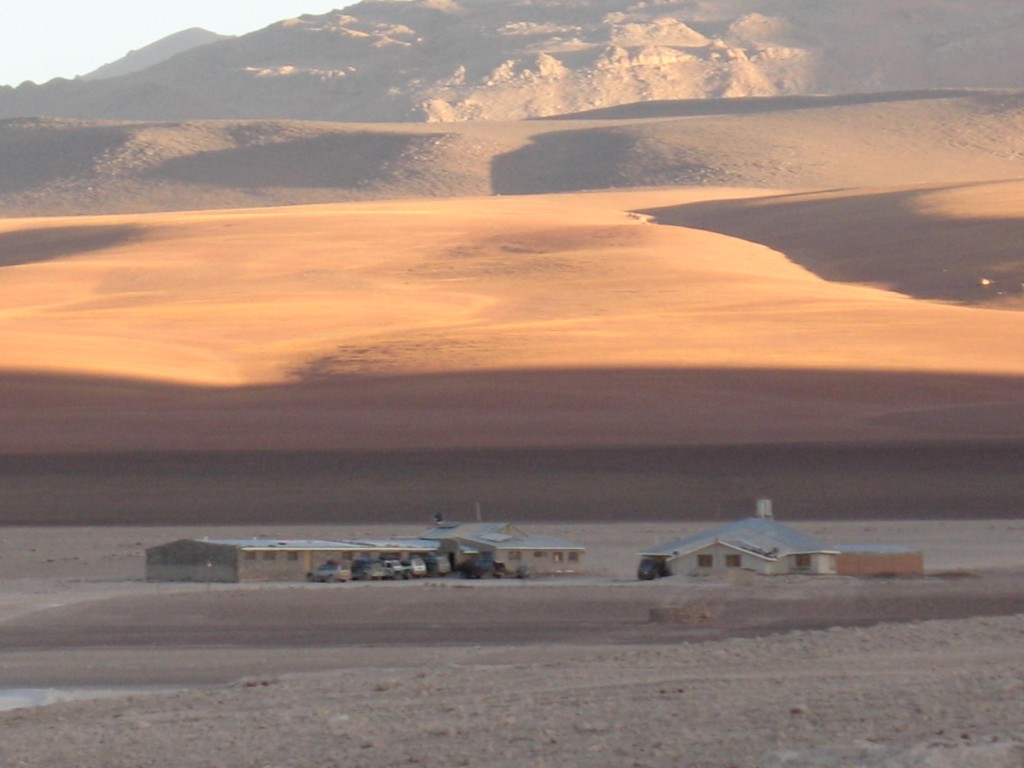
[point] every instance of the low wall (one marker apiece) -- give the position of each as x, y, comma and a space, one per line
880, 563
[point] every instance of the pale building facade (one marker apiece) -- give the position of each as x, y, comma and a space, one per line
753, 544
508, 545
233, 560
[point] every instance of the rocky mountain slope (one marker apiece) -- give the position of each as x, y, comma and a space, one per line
155, 53
456, 60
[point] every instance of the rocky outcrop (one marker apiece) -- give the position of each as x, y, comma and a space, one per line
442, 60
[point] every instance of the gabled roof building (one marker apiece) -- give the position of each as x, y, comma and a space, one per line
762, 545
755, 544
507, 545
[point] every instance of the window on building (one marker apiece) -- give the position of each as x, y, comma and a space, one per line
270, 555
705, 561
538, 553
293, 555
574, 557
250, 555
557, 556
515, 554
732, 561
803, 562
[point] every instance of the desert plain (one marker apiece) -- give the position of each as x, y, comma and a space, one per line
103, 668
834, 323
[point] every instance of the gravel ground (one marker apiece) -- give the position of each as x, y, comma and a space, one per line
790, 673
939, 693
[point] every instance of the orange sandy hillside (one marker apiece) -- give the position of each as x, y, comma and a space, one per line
238, 297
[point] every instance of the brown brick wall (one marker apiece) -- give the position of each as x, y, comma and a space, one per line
273, 565
880, 563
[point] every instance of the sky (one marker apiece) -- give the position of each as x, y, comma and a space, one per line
65, 38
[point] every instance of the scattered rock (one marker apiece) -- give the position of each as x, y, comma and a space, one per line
592, 726
699, 613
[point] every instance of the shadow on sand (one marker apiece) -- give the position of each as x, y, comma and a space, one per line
851, 238
31, 246
755, 105
541, 445
335, 161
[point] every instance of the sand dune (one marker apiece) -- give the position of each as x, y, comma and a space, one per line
432, 286
52, 167
540, 321
450, 330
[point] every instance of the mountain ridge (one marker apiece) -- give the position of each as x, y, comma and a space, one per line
155, 53
434, 61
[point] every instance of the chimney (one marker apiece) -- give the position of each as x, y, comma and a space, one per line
764, 509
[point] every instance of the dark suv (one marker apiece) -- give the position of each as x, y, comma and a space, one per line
485, 567
651, 568
367, 569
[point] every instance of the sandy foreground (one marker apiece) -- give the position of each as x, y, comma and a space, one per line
574, 671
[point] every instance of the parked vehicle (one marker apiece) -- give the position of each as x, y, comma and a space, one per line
651, 568
367, 569
485, 567
396, 569
522, 572
475, 568
437, 565
417, 569
332, 570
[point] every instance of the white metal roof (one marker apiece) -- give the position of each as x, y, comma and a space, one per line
527, 542
257, 543
478, 530
424, 544
764, 538
304, 544
497, 535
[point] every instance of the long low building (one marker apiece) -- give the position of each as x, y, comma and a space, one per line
232, 560
262, 559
